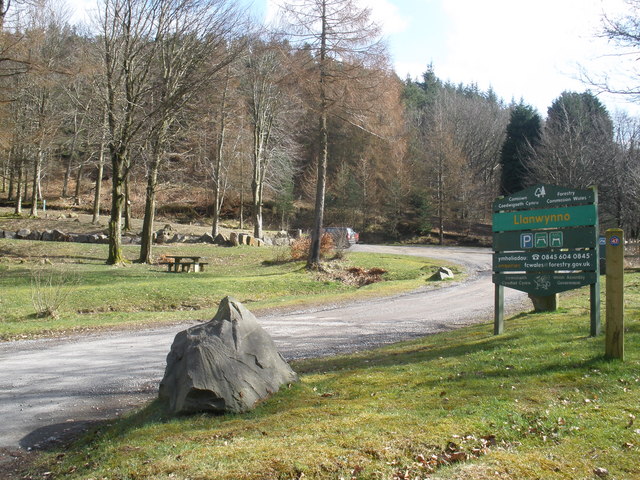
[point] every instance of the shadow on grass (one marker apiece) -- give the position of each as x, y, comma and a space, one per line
415, 351
496, 358
548, 350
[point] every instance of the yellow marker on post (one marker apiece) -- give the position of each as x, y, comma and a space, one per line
614, 346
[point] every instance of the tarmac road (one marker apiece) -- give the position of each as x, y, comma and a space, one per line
50, 389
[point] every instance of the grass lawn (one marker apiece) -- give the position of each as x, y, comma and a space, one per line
95, 295
539, 402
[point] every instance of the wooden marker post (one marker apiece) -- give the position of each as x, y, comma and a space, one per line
614, 347
498, 319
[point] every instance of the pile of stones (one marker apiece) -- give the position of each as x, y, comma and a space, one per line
55, 236
165, 235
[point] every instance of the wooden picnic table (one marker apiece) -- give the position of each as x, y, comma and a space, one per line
185, 263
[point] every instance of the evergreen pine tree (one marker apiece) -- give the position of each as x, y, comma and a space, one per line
523, 134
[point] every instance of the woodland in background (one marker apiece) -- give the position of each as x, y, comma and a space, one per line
185, 108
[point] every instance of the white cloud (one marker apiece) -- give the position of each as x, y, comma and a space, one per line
271, 11
523, 49
387, 15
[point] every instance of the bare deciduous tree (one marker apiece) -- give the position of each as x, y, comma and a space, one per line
624, 33
343, 39
271, 116
128, 28
195, 40
444, 163
622, 205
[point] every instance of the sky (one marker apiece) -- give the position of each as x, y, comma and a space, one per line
522, 49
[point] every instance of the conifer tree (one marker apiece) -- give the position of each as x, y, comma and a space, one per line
523, 134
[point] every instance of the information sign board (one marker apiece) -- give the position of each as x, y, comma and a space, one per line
563, 217
579, 237
544, 196
544, 261
542, 283
545, 242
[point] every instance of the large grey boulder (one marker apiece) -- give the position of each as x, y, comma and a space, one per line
164, 234
220, 239
207, 238
23, 234
178, 238
81, 238
443, 273
93, 238
281, 238
60, 236
47, 236
226, 365
547, 303
233, 239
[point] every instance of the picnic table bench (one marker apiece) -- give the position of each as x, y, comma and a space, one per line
185, 263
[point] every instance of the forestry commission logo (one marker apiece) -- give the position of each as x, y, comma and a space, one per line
540, 192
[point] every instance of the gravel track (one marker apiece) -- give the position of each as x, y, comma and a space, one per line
51, 389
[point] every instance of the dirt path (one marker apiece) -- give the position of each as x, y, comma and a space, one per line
50, 389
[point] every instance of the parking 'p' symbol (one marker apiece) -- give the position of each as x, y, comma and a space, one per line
526, 240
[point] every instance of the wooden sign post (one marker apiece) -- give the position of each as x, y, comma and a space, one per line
614, 342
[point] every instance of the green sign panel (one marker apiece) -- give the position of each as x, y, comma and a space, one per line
544, 196
544, 261
545, 218
579, 237
545, 242
545, 283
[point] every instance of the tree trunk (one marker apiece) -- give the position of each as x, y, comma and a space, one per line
5, 173
98, 192
256, 180
316, 234
440, 208
67, 172
117, 204
217, 204
217, 193
100, 173
72, 156
76, 197
127, 201
256, 208
18, 208
25, 188
12, 174
152, 185
37, 172
242, 193
149, 212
